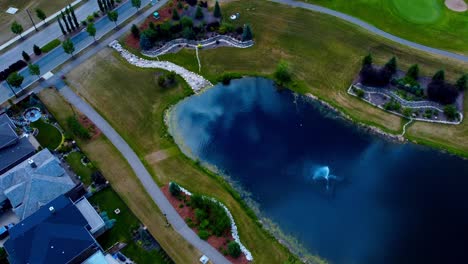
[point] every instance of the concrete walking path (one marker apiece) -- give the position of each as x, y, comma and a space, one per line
147, 181
373, 29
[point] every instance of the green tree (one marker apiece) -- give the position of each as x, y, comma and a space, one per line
40, 14
136, 4
67, 26
367, 61
188, 33
68, 47
180, 5
25, 56
451, 112
282, 73
217, 10
234, 249
171, 76
174, 189
15, 79
199, 13
101, 6
113, 16
135, 31
175, 14
186, 22
34, 69
61, 27
91, 29
72, 13
462, 83
247, 33
17, 28
413, 72
37, 50
439, 76
391, 65
145, 40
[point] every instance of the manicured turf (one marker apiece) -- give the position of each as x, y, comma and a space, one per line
107, 200
325, 56
143, 128
49, 136
419, 11
122, 179
427, 22
74, 159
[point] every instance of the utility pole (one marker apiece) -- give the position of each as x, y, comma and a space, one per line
29, 14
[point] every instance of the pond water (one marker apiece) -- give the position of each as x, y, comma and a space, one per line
348, 196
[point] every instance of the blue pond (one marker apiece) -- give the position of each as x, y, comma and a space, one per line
348, 196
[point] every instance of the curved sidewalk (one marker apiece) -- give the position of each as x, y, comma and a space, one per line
373, 29
148, 183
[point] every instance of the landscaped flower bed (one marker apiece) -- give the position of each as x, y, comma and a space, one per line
211, 220
410, 95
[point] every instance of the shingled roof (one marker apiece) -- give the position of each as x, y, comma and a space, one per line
33, 183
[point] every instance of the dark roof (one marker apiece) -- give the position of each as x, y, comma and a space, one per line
8, 136
50, 236
15, 154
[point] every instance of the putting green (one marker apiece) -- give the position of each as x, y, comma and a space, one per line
418, 11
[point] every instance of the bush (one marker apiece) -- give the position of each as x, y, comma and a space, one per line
451, 112
410, 85
407, 112
98, 178
15, 67
84, 23
174, 189
239, 30
188, 33
186, 22
360, 93
204, 224
227, 77
200, 214
393, 105
203, 234
371, 76
145, 40
90, 18
135, 31
171, 77
25, 56
96, 14
77, 129
213, 26
283, 74
442, 92
176, 28
225, 28
51, 45
234, 249
162, 81
37, 50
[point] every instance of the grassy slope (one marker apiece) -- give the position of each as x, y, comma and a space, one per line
117, 171
74, 159
449, 31
133, 103
325, 55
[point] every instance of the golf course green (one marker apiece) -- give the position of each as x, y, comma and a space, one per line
419, 11
428, 22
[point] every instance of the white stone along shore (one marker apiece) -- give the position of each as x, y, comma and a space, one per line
195, 81
234, 232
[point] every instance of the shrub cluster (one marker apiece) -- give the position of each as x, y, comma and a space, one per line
210, 215
440, 91
393, 105
12, 68
77, 129
51, 45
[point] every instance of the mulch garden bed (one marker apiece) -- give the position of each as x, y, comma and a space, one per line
220, 243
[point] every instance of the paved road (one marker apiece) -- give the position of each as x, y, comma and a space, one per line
56, 57
372, 29
158, 197
43, 36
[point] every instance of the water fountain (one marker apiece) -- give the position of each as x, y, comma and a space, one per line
323, 173
32, 114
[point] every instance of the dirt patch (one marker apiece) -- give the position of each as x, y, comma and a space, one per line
456, 5
157, 156
219, 243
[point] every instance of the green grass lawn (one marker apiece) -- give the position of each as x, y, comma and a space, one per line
427, 22
85, 172
49, 136
107, 200
325, 55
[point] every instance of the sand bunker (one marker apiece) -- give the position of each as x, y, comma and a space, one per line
456, 5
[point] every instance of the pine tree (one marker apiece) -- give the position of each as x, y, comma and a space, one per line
25, 56
198, 13
37, 50
66, 22
101, 6
108, 5
391, 65
135, 31
462, 83
70, 21
175, 14
247, 34
72, 12
439, 76
413, 72
217, 10
40, 14
367, 61
61, 27
112, 2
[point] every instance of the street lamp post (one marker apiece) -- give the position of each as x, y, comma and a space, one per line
29, 14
